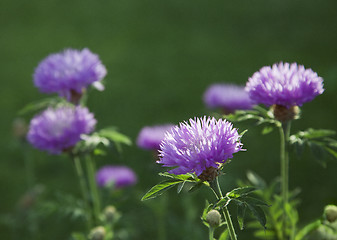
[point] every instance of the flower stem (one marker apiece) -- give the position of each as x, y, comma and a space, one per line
284, 158
217, 191
84, 191
211, 233
93, 188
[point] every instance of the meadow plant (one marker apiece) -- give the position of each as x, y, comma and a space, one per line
67, 127
196, 151
284, 88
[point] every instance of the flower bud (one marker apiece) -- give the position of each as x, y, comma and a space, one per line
285, 114
209, 174
97, 233
110, 213
330, 212
213, 218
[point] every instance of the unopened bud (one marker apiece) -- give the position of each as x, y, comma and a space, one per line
284, 114
213, 218
110, 213
209, 174
98, 233
330, 212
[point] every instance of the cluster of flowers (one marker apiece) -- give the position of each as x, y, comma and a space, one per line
59, 129
205, 143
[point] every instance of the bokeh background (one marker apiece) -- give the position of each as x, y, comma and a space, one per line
161, 56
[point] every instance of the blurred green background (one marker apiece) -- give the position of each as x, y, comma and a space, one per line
161, 56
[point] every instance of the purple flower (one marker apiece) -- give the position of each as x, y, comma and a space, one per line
200, 144
284, 84
150, 137
69, 72
120, 176
229, 97
56, 130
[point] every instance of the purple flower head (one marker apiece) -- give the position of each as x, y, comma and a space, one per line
284, 84
229, 97
200, 144
69, 72
150, 137
56, 130
120, 176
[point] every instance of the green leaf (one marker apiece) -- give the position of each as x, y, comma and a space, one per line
307, 229
265, 234
90, 143
78, 236
224, 235
223, 202
241, 211
41, 104
112, 134
183, 177
253, 201
315, 133
331, 151
267, 129
160, 188
180, 186
256, 180
243, 132
258, 214
238, 192
196, 186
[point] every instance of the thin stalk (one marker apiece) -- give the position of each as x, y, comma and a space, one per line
217, 191
284, 160
211, 233
93, 188
84, 191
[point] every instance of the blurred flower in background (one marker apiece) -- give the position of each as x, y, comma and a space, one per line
69, 73
116, 176
228, 97
150, 136
199, 145
56, 130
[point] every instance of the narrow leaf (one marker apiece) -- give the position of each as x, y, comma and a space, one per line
180, 186
307, 229
253, 201
241, 215
316, 133
160, 188
258, 214
331, 151
256, 180
242, 191
183, 177
223, 202
39, 105
196, 186
115, 136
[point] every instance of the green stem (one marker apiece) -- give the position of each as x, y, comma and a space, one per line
93, 187
284, 159
217, 191
84, 191
211, 233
